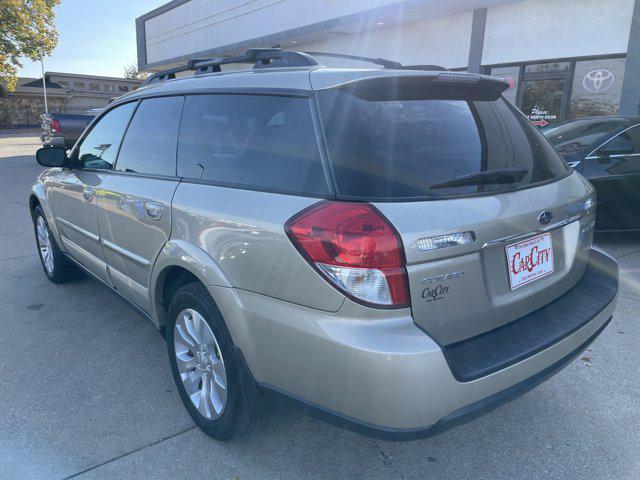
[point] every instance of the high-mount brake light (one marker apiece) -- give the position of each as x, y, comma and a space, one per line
356, 248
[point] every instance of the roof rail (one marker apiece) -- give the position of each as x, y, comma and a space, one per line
381, 61
376, 61
271, 58
260, 57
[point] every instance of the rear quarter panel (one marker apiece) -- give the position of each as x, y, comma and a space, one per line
243, 232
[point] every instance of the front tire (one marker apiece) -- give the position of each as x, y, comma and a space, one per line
55, 266
204, 364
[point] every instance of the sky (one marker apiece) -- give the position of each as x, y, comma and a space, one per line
95, 37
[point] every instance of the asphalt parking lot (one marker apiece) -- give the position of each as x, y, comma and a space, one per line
86, 392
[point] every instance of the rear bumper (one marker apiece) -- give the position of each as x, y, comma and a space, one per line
384, 375
497, 349
457, 417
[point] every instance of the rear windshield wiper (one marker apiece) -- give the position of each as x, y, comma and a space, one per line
502, 175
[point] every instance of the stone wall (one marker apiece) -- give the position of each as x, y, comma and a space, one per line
17, 111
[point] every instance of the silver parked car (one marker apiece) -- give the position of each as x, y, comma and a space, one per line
397, 248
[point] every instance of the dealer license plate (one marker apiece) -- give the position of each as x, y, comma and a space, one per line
529, 260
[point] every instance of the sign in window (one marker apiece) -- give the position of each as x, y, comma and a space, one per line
542, 101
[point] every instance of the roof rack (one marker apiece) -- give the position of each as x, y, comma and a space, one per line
260, 57
272, 58
376, 61
381, 61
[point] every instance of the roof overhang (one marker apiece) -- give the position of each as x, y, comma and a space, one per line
177, 32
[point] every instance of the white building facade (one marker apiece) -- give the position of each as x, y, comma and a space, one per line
563, 58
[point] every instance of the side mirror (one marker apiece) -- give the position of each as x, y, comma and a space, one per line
618, 146
51, 156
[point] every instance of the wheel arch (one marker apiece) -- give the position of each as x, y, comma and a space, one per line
179, 263
33, 203
38, 197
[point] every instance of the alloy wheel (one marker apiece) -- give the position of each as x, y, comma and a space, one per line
44, 245
200, 364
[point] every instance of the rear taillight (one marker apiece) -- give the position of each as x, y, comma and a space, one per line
55, 126
355, 248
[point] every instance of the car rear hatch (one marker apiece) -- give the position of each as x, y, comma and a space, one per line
473, 189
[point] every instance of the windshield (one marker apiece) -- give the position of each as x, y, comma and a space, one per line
575, 137
401, 144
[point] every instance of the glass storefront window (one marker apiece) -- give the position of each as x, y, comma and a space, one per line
542, 101
547, 67
597, 86
511, 75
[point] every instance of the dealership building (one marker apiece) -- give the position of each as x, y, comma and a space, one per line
563, 58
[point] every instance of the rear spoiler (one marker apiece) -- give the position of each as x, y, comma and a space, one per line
432, 84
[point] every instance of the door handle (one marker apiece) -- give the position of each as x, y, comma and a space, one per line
87, 193
153, 210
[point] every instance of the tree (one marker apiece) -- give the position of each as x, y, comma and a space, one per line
27, 30
131, 72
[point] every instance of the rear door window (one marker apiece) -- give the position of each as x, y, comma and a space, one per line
406, 142
149, 146
255, 141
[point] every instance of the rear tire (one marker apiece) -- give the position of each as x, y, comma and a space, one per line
56, 267
204, 364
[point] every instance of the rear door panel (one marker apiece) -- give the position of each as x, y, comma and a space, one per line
462, 291
131, 237
134, 205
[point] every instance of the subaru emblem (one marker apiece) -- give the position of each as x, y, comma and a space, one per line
545, 217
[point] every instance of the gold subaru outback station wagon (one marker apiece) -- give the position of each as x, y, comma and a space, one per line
397, 249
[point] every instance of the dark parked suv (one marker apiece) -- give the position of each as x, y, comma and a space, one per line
397, 248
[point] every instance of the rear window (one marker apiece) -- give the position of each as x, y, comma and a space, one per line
402, 143
255, 141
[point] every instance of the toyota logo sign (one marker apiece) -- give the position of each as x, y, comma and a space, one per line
598, 81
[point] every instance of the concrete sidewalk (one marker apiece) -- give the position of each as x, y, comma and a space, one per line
86, 392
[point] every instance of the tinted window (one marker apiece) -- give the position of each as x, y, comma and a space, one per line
100, 146
627, 142
402, 142
251, 140
149, 145
574, 139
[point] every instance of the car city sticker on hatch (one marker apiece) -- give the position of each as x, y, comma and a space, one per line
529, 260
